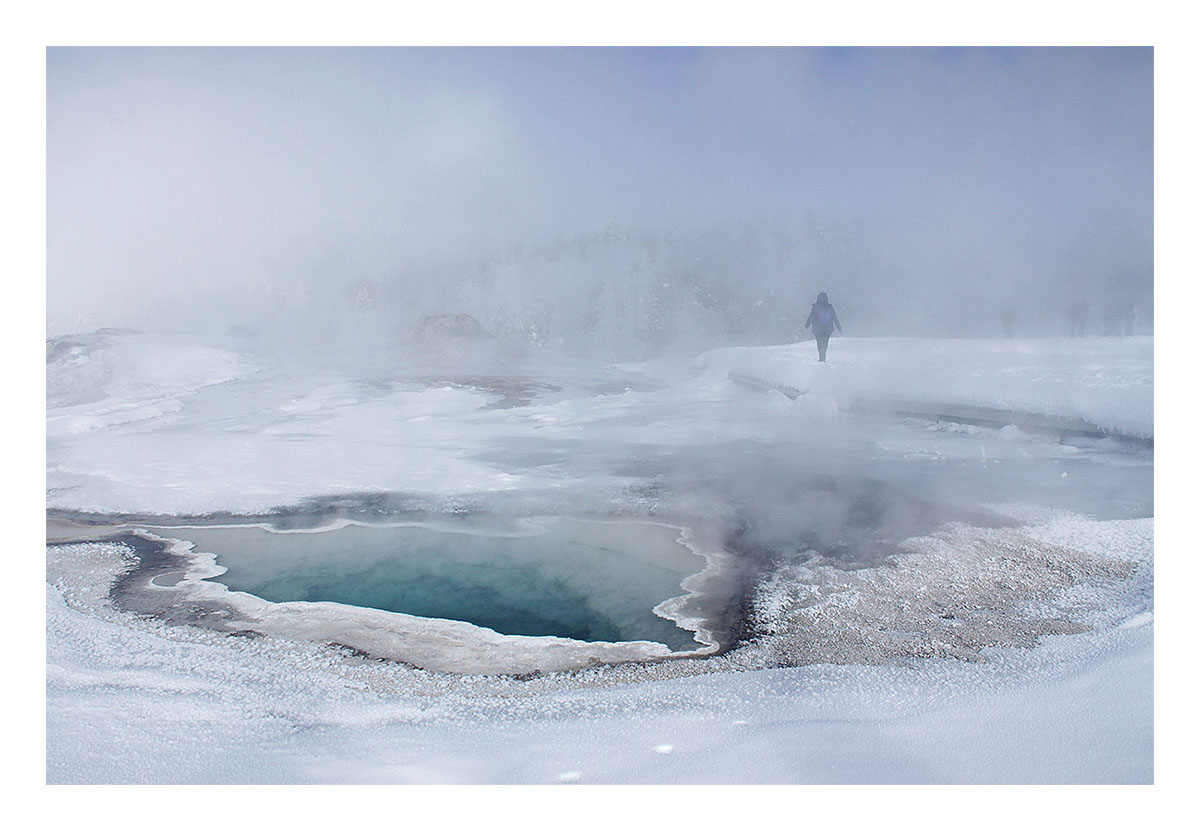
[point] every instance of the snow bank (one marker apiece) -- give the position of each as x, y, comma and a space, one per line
1108, 382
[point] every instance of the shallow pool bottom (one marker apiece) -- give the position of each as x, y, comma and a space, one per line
586, 581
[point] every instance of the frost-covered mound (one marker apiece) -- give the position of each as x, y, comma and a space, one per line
952, 595
1108, 382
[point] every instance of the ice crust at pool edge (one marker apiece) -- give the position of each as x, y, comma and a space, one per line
442, 645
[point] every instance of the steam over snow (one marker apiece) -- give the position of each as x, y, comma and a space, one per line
324, 288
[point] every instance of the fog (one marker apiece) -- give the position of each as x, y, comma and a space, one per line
616, 203
447, 293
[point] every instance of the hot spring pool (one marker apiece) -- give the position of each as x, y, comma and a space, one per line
588, 581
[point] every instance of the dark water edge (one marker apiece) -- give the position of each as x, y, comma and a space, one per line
566, 579
150, 560
853, 520
154, 565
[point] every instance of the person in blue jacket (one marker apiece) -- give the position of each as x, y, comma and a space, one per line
822, 319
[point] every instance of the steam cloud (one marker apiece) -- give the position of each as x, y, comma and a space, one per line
616, 202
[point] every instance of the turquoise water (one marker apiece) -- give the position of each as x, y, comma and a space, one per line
546, 584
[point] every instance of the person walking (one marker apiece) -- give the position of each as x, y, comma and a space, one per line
822, 318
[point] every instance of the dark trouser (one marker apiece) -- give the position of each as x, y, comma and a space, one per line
822, 343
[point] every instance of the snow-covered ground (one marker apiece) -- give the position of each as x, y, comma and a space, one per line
943, 601
1106, 381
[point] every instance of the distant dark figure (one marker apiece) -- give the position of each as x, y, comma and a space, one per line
1007, 318
1110, 320
1128, 315
1077, 315
822, 319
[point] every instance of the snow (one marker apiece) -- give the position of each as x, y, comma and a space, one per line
1047, 681
127, 436
1106, 381
1077, 709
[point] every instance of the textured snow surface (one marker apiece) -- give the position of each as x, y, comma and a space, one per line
950, 595
171, 425
1106, 381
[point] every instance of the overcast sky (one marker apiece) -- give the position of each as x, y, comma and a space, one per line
174, 169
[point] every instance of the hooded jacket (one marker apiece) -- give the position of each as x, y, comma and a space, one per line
822, 317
